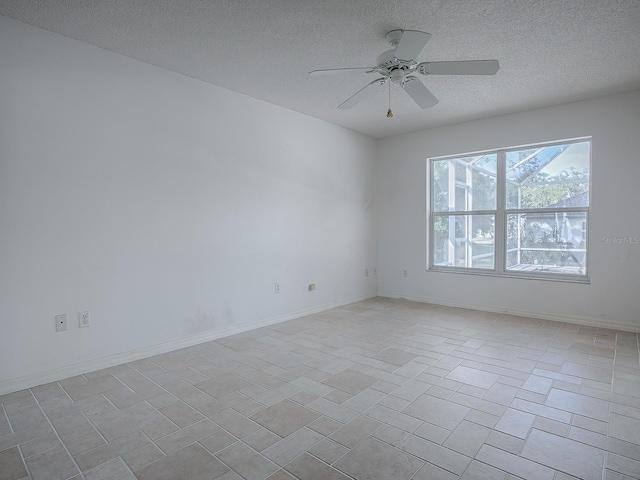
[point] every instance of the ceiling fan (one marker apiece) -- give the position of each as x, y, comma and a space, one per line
399, 66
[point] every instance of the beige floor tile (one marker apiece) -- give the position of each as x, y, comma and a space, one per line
39, 444
605, 442
338, 396
433, 472
261, 439
285, 417
192, 462
91, 387
223, 385
325, 425
433, 453
122, 422
580, 404
597, 373
290, 447
52, 464
582, 461
17, 399
181, 414
72, 425
115, 448
328, 451
501, 394
332, 410
515, 422
432, 432
355, 431
627, 387
482, 418
142, 456
514, 464
505, 442
538, 384
235, 423
281, 475
11, 465
541, 410
477, 403
437, 411
374, 460
395, 356
114, 469
306, 467
47, 391
551, 426
625, 428
590, 424
350, 381
160, 429
187, 435
472, 376
391, 435
481, 471
245, 461
497, 353
423, 383
365, 399
399, 420
217, 441
248, 407
623, 465
467, 438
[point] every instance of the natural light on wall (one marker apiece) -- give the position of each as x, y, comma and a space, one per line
518, 211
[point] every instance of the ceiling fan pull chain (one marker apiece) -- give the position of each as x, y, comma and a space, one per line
389, 112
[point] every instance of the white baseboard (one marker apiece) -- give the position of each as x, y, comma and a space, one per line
592, 322
13, 385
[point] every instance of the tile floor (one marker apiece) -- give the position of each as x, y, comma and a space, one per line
382, 389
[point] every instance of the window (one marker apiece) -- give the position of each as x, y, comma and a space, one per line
518, 211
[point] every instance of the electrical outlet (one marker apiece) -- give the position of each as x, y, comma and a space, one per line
405, 274
277, 288
61, 322
84, 319
366, 272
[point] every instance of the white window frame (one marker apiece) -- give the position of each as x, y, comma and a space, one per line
501, 212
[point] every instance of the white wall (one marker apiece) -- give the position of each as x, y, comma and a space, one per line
612, 298
165, 206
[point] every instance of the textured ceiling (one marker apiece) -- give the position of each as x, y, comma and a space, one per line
550, 51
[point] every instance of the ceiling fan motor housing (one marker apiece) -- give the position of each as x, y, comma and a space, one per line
387, 59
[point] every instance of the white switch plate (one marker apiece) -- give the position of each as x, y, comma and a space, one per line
61, 322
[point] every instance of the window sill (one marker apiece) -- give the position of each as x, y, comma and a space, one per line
517, 275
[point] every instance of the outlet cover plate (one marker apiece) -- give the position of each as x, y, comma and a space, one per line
84, 319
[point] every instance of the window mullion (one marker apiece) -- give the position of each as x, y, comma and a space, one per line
500, 237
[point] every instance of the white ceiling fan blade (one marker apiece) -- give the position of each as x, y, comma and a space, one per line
330, 71
419, 93
359, 95
411, 44
468, 67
